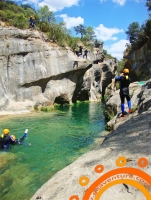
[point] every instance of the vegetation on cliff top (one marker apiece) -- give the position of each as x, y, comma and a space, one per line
139, 35
18, 16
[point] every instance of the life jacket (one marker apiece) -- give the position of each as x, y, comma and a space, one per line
125, 82
4, 139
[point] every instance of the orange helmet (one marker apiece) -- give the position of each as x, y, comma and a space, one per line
126, 71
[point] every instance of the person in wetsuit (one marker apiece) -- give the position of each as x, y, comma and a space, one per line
124, 80
8, 140
4, 138
80, 50
85, 53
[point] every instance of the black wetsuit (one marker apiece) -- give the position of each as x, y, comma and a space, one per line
80, 50
85, 53
6, 141
124, 87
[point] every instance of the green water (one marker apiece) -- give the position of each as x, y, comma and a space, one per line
55, 140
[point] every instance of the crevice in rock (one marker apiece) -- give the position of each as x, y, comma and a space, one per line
22, 53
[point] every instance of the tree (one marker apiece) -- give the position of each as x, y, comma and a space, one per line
146, 28
80, 29
148, 4
89, 33
47, 20
133, 32
27, 6
46, 15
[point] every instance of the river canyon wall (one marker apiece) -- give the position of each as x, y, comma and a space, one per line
35, 71
139, 62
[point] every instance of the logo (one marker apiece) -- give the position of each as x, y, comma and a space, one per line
122, 175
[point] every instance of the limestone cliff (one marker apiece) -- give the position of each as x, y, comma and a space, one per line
34, 71
140, 62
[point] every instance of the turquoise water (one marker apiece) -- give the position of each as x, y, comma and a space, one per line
55, 140
141, 82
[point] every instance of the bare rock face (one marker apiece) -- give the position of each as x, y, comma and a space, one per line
144, 97
97, 78
140, 62
34, 71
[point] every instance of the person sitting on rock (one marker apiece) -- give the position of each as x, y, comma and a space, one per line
124, 90
11, 140
85, 53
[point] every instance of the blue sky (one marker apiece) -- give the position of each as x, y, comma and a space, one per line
109, 18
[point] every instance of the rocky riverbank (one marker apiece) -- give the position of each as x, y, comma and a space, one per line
131, 138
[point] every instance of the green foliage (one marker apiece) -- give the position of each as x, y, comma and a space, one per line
105, 98
18, 16
80, 30
15, 15
19, 21
104, 52
108, 128
146, 28
89, 34
121, 65
36, 108
139, 35
133, 31
134, 108
7, 45
46, 109
56, 105
148, 4
46, 15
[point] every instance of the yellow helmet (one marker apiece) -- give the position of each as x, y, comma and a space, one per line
126, 71
31, 16
13, 138
6, 131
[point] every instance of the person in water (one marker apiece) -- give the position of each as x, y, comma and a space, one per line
124, 80
6, 140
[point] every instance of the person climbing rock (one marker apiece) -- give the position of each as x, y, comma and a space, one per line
85, 53
124, 80
31, 22
80, 50
76, 52
7, 141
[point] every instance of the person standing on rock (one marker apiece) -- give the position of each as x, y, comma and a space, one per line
80, 50
31, 22
124, 90
85, 53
